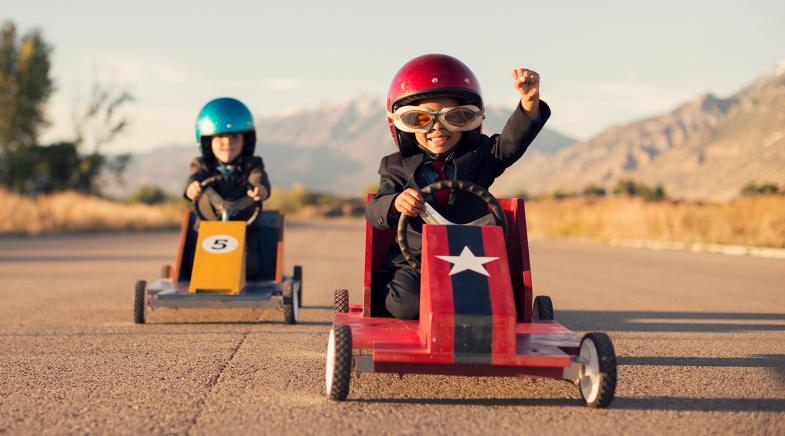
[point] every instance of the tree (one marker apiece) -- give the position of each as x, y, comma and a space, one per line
25, 86
97, 125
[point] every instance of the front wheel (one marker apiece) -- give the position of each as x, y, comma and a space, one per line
597, 380
290, 303
139, 291
338, 370
298, 277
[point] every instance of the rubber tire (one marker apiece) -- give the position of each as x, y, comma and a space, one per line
298, 277
290, 300
542, 308
139, 291
341, 338
341, 301
607, 368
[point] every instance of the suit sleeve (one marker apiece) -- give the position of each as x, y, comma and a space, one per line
379, 212
518, 133
258, 177
199, 172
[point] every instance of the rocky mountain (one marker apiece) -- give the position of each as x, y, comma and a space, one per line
335, 147
707, 148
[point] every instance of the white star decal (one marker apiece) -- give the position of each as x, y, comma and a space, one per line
468, 261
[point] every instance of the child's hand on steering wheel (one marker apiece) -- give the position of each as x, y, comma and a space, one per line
255, 193
193, 191
409, 202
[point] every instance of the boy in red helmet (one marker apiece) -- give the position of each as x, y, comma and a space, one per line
435, 112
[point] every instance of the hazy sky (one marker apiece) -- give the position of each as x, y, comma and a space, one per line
602, 62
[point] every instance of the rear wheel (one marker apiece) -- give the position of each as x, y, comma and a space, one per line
298, 277
338, 370
542, 310
139, 291
341, 301
597, 381
290, 303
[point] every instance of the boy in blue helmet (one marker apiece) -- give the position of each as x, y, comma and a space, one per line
226, 135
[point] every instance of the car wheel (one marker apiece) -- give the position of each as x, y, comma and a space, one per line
139, 291
338, 370
597, 380
542, 310
341, 301
290, 303
298, 277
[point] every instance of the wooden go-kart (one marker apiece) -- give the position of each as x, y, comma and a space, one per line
210, 270
477, 314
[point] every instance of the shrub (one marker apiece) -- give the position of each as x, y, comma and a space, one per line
148, 194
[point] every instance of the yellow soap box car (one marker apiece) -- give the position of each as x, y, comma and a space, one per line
210, 268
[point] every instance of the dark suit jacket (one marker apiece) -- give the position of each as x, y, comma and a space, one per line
481, 163
251, 169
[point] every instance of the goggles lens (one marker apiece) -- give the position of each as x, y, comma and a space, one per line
460, 116
416, 119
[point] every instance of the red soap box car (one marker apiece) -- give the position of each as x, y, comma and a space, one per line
477, 315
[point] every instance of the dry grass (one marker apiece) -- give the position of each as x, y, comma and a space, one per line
752, 221
71, 212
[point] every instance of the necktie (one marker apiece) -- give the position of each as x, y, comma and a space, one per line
443, 195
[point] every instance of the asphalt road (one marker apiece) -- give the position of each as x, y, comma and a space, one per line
700, 340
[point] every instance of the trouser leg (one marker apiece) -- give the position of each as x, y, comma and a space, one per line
403, 293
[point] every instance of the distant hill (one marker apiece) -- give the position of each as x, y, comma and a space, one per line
335, 147
707, 148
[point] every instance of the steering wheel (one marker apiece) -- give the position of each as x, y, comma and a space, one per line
434, 218
226, 208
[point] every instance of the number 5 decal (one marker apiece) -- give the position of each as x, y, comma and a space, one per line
219, 244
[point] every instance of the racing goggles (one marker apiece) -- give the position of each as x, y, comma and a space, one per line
420, 119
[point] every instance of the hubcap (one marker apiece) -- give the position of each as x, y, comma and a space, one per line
590, 379
330, 366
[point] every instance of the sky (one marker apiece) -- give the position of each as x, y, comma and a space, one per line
601, 63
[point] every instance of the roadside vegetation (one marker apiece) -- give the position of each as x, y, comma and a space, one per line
751, 220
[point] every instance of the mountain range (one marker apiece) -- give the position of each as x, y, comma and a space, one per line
335, 147
706, 148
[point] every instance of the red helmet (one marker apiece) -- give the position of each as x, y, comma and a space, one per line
432, 76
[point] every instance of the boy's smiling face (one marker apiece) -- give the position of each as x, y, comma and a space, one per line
438, 140
227, 146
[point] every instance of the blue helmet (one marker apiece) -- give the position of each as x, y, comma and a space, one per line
225, 115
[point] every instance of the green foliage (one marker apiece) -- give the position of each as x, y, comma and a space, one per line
751, 189
630, 188
25, 86
148, 194
594, 191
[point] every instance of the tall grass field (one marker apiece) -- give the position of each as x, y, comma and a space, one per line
750, 221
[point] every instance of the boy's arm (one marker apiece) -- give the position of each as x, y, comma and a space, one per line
258, 177
523, 125
380, 212
198, 173
518, 133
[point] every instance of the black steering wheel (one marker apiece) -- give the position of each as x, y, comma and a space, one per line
226, 208
461, 185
